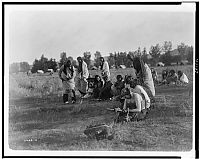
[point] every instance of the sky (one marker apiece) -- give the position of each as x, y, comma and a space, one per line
35, 30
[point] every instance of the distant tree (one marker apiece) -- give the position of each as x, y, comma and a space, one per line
14, 68
155, 52
24, 66
97, 56
190, 55
63, 58
44, 64
167, 46
176, 59
111, 59
118, 60
86, 58
182, 50
166, 58
52, 64
115, 58
37, 65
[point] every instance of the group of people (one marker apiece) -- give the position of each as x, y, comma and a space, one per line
170, 76
135, 95
67, 74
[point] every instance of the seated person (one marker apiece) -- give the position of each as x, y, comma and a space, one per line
105, 92
98, 84
118, 86
128, 78
136, 101
182, 78
90, 89
164, 76
172, 77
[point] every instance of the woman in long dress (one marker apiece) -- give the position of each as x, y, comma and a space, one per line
67, 75
105, 71
83, 74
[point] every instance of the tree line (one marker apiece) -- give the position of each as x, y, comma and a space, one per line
157, 53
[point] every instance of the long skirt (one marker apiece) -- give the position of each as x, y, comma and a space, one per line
82, 85
68, 86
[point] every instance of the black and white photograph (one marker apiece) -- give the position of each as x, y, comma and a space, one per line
99, 79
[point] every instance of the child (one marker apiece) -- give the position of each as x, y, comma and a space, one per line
105, 92
118, 86
182, 77
98, 84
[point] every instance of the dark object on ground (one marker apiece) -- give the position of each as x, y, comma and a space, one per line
98, 132
126, 116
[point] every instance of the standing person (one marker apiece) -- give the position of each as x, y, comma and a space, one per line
143, 73
105, 71
83, 74
67, 75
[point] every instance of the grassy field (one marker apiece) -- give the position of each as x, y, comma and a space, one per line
38, 120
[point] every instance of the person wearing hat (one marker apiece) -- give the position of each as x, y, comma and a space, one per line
83, 74
67, 75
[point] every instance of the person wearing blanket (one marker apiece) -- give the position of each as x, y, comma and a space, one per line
182, 77
144, 75
67, 75
83, 74
105, 71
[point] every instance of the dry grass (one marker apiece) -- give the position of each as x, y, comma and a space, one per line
39, 121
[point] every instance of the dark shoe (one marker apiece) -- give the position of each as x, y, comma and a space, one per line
65, 98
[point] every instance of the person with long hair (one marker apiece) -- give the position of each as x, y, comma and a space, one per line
67, 75
105, 91
105, 71
98, 84
135, 100
83, 74
118, 86
144, 76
